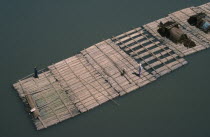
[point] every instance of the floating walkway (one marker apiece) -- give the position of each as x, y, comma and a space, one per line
108, 69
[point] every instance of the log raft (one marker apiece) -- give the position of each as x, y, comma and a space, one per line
108, 69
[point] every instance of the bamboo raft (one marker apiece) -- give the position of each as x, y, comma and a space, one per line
94, 76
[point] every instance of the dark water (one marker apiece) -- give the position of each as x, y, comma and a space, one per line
38, 33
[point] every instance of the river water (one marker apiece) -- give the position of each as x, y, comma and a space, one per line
39, 33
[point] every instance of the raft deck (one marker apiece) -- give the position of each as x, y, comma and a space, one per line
108, 69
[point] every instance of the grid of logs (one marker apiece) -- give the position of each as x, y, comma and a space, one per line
111, 68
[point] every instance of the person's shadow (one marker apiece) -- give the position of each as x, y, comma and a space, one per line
135, 74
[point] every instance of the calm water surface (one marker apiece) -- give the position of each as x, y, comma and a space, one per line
39, 33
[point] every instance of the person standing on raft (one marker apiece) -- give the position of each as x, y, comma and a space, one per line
140, 69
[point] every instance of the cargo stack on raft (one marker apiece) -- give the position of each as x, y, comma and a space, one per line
114, 67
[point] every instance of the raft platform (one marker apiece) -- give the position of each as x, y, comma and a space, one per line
94, 76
